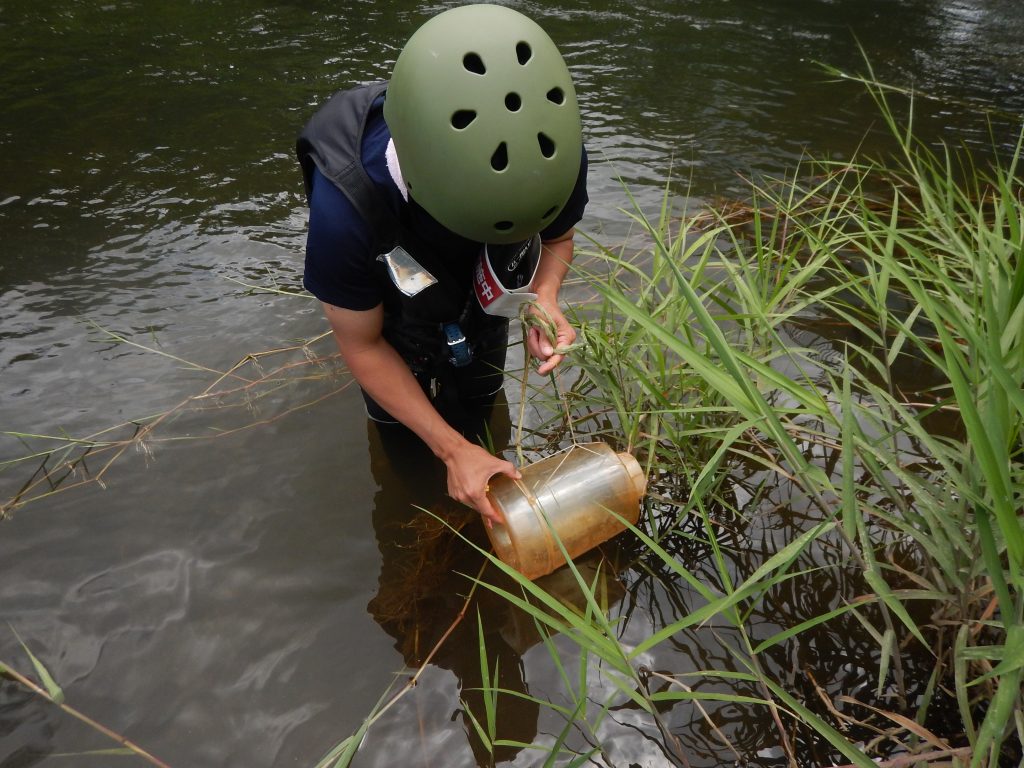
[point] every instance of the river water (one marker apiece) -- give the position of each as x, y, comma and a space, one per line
239, 588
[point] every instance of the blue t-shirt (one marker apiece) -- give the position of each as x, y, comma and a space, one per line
340, 256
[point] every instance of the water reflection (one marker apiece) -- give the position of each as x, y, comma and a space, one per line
706, 87
837, 658
423, 585
423, 580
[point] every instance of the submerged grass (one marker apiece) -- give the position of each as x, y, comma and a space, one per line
247, 395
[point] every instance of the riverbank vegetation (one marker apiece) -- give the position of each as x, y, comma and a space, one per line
827, 388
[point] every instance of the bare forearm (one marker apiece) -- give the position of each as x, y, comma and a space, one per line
557, 334
385, 377
556, 256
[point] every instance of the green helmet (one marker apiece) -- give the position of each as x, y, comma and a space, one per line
485, 122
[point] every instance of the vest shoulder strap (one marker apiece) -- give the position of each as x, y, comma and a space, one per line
331, 141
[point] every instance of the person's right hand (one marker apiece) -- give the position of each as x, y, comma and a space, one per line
470, 469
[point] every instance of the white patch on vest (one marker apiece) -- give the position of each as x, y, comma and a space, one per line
391, 156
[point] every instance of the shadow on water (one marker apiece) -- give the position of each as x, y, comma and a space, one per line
423, 599
426, 602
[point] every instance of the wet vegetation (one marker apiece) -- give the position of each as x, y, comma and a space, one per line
826, 387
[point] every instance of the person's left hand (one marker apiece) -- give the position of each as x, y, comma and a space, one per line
538, 341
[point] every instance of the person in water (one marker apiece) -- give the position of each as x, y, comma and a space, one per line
440, 201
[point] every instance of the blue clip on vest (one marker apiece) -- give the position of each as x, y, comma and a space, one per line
459, 353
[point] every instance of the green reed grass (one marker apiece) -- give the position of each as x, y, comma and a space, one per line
691, 361
851, 339
486, 726
948, 239
47, 688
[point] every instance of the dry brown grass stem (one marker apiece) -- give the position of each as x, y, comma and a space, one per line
234, 388
40, 691
959, 756
413, 681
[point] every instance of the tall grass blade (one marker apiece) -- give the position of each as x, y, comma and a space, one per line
53, 690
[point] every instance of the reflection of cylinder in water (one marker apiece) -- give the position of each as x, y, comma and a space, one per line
570, 494
520, 628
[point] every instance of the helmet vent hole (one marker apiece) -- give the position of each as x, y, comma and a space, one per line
556, 96
503, 226
463, 118
473, 63
549, 212
547, 146
523, 52
513, 102
499, 160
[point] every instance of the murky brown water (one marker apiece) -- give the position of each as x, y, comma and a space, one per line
242, 598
